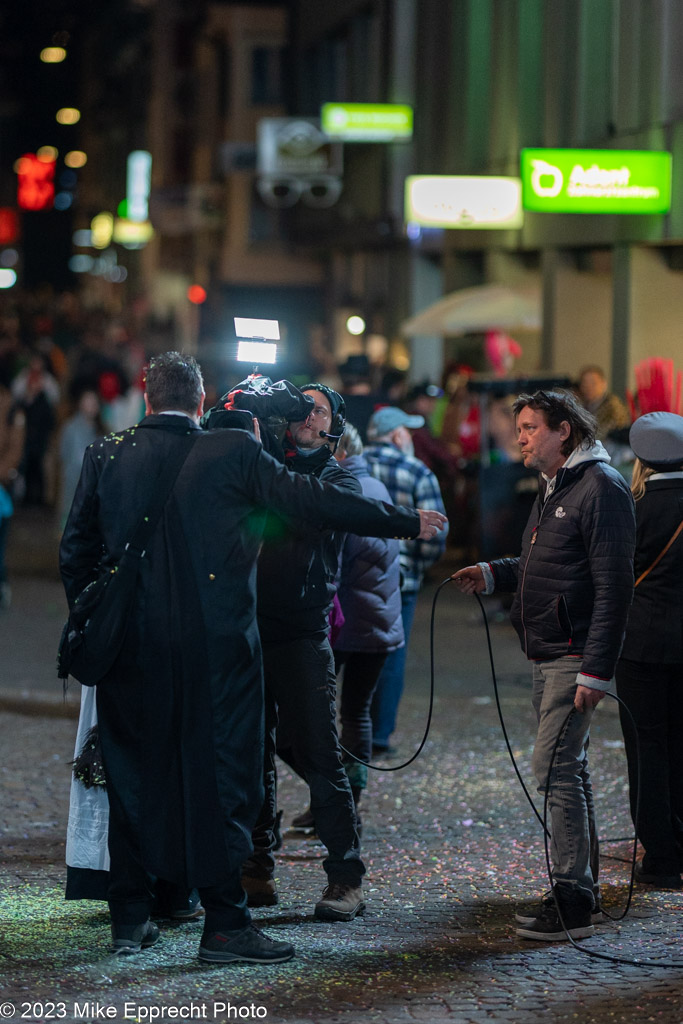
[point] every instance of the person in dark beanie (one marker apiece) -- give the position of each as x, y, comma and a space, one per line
370, 600
650, 670
296, 587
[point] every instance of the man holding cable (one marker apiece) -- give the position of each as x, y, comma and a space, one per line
573, 586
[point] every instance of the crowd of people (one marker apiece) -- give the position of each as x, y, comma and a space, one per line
301, 559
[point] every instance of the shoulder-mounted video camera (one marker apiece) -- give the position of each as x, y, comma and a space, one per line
273, 405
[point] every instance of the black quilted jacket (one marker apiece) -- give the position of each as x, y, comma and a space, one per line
574, 577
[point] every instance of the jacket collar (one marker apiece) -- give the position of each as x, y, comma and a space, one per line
576, 460
176, 424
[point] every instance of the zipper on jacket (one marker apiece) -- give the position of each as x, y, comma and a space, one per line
521, 592
534, 535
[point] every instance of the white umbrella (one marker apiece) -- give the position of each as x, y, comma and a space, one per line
484, 308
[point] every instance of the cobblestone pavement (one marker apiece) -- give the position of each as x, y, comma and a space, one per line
450, 845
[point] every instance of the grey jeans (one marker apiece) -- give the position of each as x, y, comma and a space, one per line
574, 850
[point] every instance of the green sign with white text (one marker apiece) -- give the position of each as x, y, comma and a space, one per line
596, 180
367, 122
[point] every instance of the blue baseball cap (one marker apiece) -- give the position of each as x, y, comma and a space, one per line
389, 418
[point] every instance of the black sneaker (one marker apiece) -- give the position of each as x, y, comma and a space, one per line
527, 918
547, 927
131, 938
247, 945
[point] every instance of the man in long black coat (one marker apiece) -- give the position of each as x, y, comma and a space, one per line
181, 711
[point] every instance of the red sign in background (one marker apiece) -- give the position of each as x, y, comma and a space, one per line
36, 190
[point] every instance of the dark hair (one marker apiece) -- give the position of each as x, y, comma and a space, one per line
174, 381
558, 407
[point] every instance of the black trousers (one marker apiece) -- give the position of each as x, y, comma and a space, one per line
654, 696
300, 691
131, 890
360, 672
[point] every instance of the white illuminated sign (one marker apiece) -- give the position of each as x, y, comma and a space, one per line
138, 183
475, 203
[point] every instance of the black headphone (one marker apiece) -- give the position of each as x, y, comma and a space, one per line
337, 406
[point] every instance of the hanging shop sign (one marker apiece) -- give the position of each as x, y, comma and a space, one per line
474, 203
367, 122
596, 180
296, 160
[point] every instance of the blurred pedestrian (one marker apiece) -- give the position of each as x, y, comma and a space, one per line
390, 458
36, 391
12, 425
422, 400
356, 389
455, 419
78, 432
650, 670
609, 411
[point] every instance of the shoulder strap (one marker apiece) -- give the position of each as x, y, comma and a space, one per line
163, 485
659, 556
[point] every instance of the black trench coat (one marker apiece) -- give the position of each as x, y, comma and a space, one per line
181, 712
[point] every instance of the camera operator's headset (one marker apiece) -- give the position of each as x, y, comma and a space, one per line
338, 425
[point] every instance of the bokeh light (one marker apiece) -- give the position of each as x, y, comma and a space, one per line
68, 115
9, 258
355, 325
7, 278
47, 154
196, 294
53, 54
102, 228
81, 263
76, 158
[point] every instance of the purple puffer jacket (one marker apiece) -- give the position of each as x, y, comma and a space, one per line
369, 583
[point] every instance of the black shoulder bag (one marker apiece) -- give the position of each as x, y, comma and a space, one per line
94, 632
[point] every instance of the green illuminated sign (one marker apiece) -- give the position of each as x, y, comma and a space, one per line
367, 122
596, 181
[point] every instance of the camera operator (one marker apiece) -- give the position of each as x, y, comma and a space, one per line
296, 573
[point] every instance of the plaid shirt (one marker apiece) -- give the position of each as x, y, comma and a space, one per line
409, 482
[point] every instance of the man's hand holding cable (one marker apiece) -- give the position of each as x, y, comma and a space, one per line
470, 580
431, 523
587, 697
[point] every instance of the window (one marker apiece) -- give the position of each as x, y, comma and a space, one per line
266, 76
